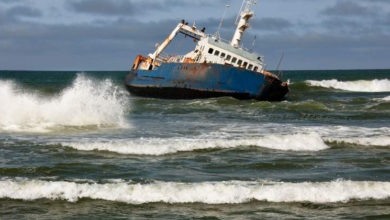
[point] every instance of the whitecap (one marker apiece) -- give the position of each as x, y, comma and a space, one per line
386, 99
228, 192
376, 85
86, 102
382, 141
162, 146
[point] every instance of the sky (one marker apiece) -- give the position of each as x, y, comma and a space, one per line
108, 34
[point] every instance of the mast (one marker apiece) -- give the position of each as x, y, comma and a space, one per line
220, 23
242, 21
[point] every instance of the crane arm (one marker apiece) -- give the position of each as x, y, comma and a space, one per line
166, 42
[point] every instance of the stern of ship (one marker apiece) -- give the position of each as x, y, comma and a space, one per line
273, 90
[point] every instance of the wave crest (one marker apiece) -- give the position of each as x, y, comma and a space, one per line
376, 85
86, 102
381, 141
162, 146
232, 192
386, 99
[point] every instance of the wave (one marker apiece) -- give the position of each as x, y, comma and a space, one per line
229, 192
162, 146
305, 140
386, 99
376, 85
86, 102
381, 141
363, 136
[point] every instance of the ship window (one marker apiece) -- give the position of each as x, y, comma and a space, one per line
250, 67
234, 60
255, 68
239, 62
228, 57
216, 53
245, 64
211, 51
223, 55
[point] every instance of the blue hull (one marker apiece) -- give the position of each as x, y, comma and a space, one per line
188, 81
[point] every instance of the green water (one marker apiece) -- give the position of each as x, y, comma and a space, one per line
78, 145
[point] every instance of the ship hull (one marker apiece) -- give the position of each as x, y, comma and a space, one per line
191, 81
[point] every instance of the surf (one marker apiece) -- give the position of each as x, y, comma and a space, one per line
380, 141
87, 102
386, 99
164, 146
376, 85
226, 192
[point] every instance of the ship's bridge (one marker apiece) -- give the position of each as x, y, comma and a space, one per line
217, 50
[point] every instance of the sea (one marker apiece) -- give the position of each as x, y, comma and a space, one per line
77, 145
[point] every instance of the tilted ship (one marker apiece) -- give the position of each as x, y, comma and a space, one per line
215, 68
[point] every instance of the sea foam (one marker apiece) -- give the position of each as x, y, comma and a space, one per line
304, 140
382, 141
86, 102
387, 99
364, 136
229, 192
376, 85
161, 146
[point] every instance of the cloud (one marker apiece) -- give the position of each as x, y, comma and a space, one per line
355, 18
272, 24
27, 45
377, 1
185, 3
348, 8
23, 11
326, 51
386, 20
111, 35
132, 7
104, 7
257, 24
10, 1
340, 24
85, 46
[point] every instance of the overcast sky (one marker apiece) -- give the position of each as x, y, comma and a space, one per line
108, 34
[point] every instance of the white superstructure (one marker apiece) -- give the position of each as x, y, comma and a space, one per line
212, 48
242, 21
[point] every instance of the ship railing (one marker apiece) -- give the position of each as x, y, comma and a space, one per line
218, 38
170, 58
228, 42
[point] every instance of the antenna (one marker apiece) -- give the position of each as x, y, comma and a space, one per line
239, 12
242, 21
217, 35
280, 73
253, 43
245, 7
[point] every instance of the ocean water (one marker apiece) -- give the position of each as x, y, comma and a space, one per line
78, 145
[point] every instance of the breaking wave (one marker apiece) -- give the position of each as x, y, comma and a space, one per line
304, 140
386, 99
376, 85
382, 141
363, 136
162, 146
229, 192
86, 102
